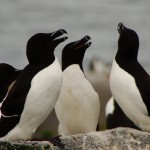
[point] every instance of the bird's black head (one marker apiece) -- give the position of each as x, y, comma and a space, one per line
128, 43
41, 46
73, 52
8, 74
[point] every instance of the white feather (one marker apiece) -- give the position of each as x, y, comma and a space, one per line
78, 106
60, 130
127, 95
42, 96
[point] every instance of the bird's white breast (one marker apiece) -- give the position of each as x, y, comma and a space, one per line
78, 105
44, 92
42, 96
127, 95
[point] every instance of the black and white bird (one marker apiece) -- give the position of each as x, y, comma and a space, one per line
129, 82
8, 74
115, 117
78, 106
36, 90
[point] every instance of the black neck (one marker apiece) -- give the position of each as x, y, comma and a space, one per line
43, 60
126, 54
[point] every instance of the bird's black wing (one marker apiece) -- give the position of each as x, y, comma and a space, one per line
142, 80
13, 105
12, 109
144, 88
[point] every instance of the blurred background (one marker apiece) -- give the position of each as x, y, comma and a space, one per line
20, 19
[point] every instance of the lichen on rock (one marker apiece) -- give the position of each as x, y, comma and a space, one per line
115, 139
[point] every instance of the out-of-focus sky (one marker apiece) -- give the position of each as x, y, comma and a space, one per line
20, 19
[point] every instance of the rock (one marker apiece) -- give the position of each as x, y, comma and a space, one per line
115, 139
27, 145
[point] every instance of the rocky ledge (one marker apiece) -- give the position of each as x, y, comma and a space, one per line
115, 139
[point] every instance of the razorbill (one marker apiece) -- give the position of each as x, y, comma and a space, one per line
36, 90
129, 82
8, 74
115, 117
78, 106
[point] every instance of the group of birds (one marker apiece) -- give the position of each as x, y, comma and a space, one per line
28, 96
43, 84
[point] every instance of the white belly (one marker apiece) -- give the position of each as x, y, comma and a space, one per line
125, 92
78, 106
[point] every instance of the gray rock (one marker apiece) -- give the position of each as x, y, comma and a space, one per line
115, 139
27, 145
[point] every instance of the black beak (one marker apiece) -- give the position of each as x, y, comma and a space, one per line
84, 42
120, 27
57, 34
